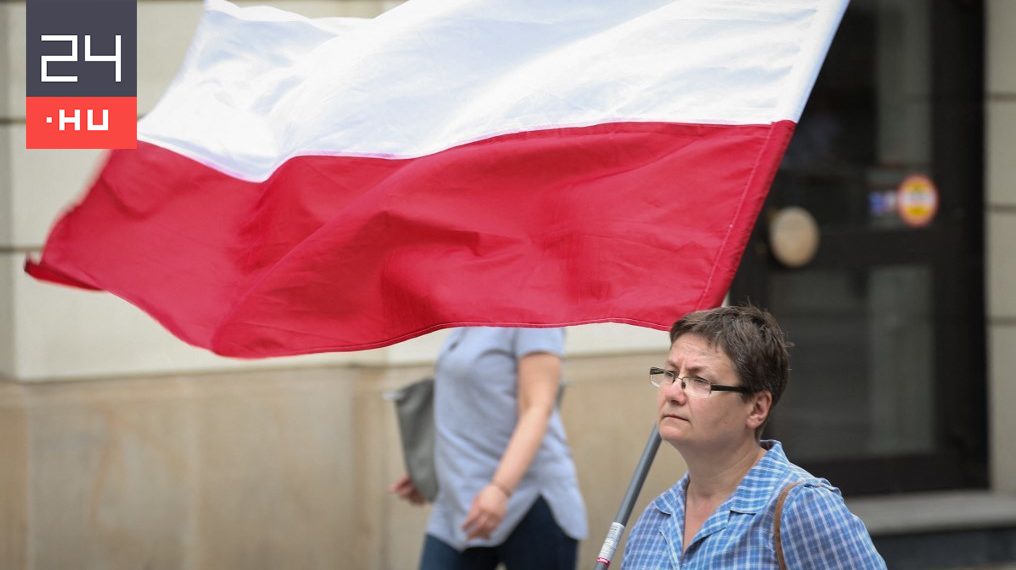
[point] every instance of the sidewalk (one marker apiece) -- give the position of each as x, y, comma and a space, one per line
947, 530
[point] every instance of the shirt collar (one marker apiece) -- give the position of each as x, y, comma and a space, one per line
753, 493
671, 502
756, 489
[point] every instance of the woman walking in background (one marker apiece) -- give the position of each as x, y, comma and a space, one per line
507, 489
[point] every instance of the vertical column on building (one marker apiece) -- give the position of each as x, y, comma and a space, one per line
13, 439
8, 119
1000, 217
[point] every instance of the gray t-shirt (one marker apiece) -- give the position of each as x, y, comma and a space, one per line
475, 405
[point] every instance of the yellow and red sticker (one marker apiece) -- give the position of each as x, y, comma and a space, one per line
917, 200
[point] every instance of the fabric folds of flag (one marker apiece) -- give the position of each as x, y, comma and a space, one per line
343, 184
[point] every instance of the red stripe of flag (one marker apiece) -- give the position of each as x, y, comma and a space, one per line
627, 222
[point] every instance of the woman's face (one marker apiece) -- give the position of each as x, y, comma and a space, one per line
717, 422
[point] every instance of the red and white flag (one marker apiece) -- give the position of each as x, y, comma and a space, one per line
341, 184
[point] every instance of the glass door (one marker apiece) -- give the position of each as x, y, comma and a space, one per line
887, 389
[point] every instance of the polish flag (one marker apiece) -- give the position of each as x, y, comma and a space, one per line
344, 184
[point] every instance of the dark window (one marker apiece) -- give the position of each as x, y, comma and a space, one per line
887, 390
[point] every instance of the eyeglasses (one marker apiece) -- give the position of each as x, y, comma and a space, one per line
694, 386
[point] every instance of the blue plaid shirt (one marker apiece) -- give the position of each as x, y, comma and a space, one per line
817, 529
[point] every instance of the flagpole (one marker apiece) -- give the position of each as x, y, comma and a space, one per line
628, 502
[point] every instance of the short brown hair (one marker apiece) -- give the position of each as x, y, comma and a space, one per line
751, 338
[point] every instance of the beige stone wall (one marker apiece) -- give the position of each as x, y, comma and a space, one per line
7, 51
1001, 239
13, 480
262, 470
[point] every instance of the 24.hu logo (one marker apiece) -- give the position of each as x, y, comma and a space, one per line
82, 74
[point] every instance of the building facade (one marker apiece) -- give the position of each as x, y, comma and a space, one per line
127, 448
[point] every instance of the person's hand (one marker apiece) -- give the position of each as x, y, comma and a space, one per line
489, 507
406, 491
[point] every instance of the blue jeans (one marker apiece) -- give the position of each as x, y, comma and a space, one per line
537, 543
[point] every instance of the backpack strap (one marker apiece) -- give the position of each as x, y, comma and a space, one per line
776, 524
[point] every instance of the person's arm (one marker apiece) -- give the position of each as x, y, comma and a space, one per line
407, 491
820, 532
538, 378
